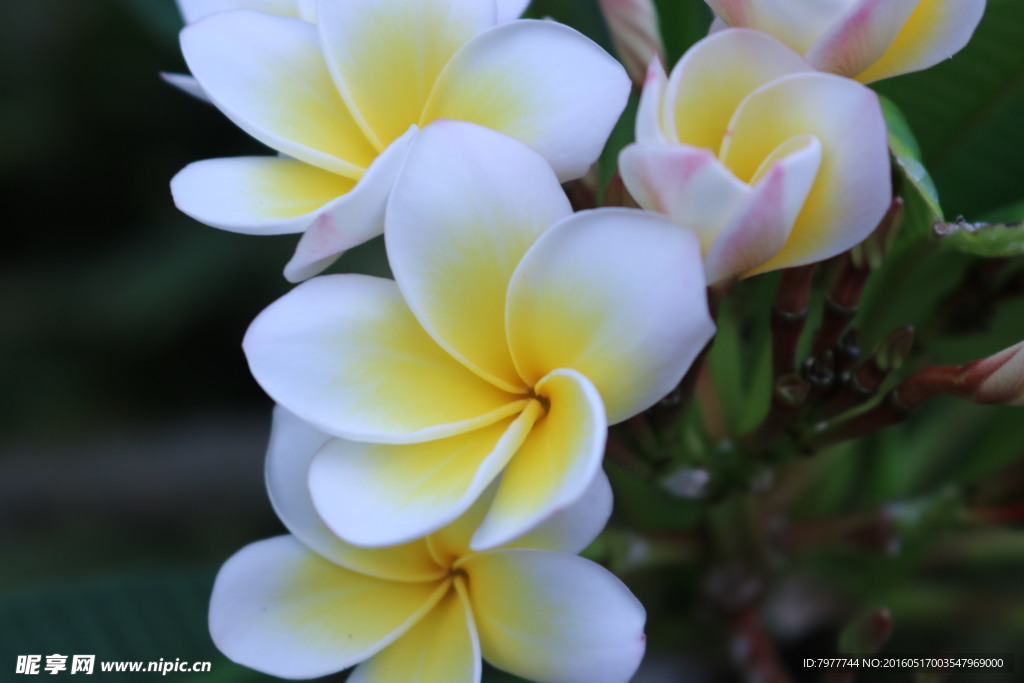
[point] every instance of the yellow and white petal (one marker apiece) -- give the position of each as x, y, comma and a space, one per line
715, 75
797, 23
937, 30
293, 443
193, 10
650, 124
861, 36
686, 183
509, 10
573, 528
549, 616
279, 608
384, 494
186, 84
386, 55
467, 206
345, 353
617, 295
256, 195
760, 229
268, 75
442, 648
540, 82
853, 188
306, 9
349, 220
554, 466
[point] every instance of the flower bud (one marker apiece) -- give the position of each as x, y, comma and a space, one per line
999, 378
635, 33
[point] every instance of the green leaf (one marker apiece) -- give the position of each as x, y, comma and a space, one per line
913, 183
990, 240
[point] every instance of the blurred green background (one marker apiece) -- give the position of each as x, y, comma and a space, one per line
132, 436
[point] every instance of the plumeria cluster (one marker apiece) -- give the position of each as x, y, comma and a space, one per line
437, 447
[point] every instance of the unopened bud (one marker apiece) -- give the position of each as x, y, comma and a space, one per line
999, 378
635, 33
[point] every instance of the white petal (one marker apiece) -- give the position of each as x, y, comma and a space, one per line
345, 353
797, 23
686, 183
852, 190
861, 37
715, 75
650, 127
442, 648
351, 219
256, 195
386, 55
551, 616
193, 10
268, 75
573, 528
467, 206
937, 30
540, 82
761, 228
382, 494
554, 466
280, 609
293, 443
511, 9
617, 295
186, 84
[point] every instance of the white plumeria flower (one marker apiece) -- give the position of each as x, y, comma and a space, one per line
340, 99
864, 39
772, 163
513, 334
311, 604
193, 10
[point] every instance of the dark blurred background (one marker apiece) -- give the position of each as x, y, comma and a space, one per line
131, 434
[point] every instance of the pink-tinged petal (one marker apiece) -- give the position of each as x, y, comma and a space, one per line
186, 84
283, 610
852, 190
549, 616
442, 648
193, 10
861, 36
617, 295
554, 466
686, 183
650, 126
256, 195
386, 55
540, 82
574, 527
268, 75
382, 494
345, 353
760, 229
715, 75
467, 206
797, 23
351, 219
509, 10
937, 30
717, 24
293, 443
